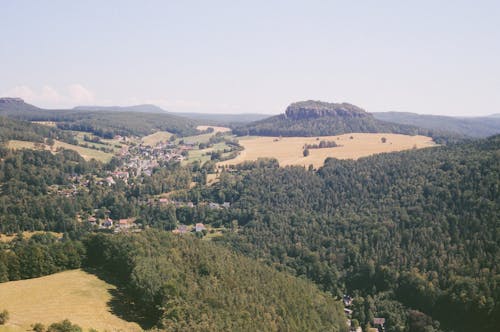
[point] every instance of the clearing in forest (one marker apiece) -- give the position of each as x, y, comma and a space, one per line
216, 129
86, 153
289, 150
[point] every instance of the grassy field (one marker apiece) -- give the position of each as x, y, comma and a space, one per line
289, 150
86, 153
45, 123
153, 139
216, 129
7, 238
76, 295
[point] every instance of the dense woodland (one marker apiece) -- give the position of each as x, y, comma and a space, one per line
192, 285
417, 228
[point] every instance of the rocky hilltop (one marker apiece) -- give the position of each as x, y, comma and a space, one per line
312, 109
15, 105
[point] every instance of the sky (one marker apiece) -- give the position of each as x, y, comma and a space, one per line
428, 57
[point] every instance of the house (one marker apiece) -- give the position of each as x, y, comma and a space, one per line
182, 229
91, 220
226, 205
199, 227
124, 223
379, 322
347, 311
213, 205
107, 223
110, 181
347, 300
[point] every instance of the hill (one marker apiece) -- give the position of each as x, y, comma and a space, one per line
474, 126
316, 118
223, 119
185, 284
104, 123
76, 295
144, 108
405, 232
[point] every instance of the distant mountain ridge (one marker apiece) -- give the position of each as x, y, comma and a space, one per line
143, 108
483, 126
102, 122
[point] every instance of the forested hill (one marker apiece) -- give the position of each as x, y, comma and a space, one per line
316, 118
406, 231
11, 129
482, 126
103, 123
185, 284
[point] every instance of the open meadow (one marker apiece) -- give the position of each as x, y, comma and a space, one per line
289, 150
216, 129
86, 153
159, 136
76, 295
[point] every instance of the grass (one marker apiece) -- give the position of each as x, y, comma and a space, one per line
216, 129
7, 238
76, 295
86, 153
45, 123
153, 139
289, 150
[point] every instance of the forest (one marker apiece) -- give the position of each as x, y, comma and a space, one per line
406, 231
412, 236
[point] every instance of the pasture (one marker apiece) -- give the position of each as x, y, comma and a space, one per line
86, 153
216, 129
76, 295
159, 136
289, 150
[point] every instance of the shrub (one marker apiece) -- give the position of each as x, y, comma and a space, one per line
4, 317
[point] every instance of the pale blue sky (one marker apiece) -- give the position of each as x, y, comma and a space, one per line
440, 57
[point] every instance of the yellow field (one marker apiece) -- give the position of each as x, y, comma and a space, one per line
289, 150
153, 139
216, 129
86, 153
45, 123
7, 238
76, 295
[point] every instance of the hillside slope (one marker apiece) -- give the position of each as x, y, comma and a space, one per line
190, 285
75, 295
103, 123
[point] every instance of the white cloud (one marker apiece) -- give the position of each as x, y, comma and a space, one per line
50, 97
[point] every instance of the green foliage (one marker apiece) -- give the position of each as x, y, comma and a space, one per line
421, 225
64, 326
199, 286
41, 255
38, 327
4, 317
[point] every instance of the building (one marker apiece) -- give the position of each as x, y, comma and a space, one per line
199, 227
